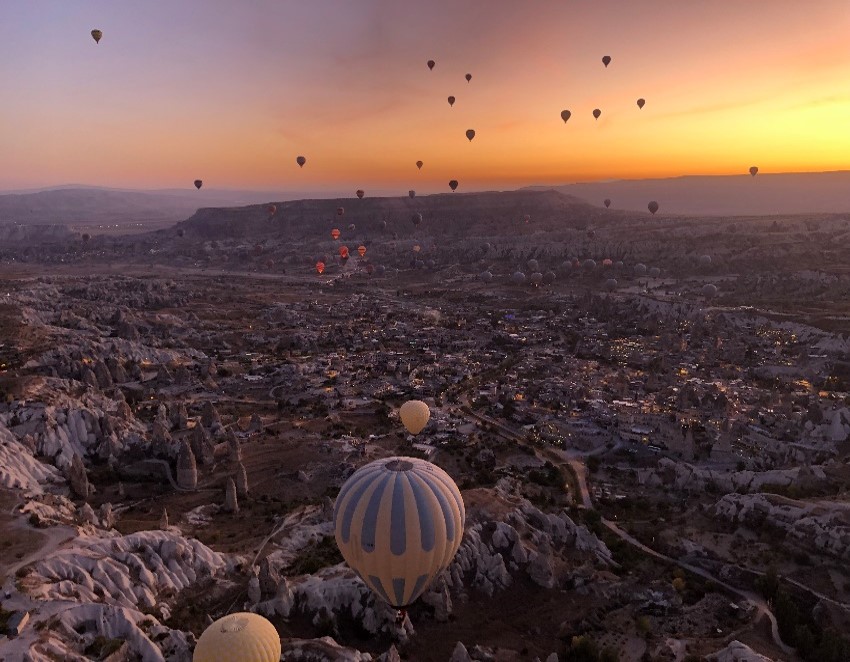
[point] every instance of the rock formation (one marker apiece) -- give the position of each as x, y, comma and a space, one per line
187, 470
78, 478
231, 504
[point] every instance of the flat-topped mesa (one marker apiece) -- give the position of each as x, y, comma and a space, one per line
187, 469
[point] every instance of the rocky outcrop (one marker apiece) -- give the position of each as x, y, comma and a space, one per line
202, 446
241, 480
231, 504
737, 652
78, 478
187, 469
209, 415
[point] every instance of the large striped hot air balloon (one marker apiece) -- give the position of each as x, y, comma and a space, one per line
398, 523
239, 637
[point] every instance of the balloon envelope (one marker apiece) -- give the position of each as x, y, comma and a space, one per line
453, 184
611, 284
340, 211
606, 60
320, 267
641, 102
97, 35
416, 219
272, 210
335, 233
468, 77
607, 202
398, 523
754, 171
596, 113
565, 115
239, 637
431, 64
470, 134
419, 164
652, 207
360, 193
198, 183
411, 193
709, 290
301, 161
451, 101
414, 415
362, 250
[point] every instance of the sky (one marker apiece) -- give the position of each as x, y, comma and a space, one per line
231, 92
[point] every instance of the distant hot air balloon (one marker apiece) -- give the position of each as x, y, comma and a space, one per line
351, 227
416, 219
611, 284
198, 183
86, 237
301, 161
340, 211
652, 207
239, 637
343, 252
596, 113
417, 248
97, 35
398, 523
527, 219
565, 115
709, 290
641, 102
468, 77
431, 64
589, 264
451, 101
381, 269
607, 202
518, 278
654, 272
272, 210
754, 171
470, 134
320, 267
453, 184
411, 193
607, 263
536, 279
705, 260
361, 249
335, 233
419, 165
486, 276
533, 265
549, 277
414, 414
606, 60
360, 193
640, 269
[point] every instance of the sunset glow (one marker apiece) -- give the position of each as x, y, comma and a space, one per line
233, 92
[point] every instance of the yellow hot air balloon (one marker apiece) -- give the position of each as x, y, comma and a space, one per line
398, 522
97, 35
239, 637
414, 414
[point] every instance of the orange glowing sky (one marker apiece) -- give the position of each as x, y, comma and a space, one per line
232, 92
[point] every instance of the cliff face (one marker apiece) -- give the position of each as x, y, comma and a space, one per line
34, 234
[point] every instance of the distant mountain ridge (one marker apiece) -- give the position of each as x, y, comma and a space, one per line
766, 194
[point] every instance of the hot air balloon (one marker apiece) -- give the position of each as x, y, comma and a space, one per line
361, 249
239, 637
533, 265
518, 278
527, 219
417, 248
611, 284
709, 290
340, 211
536, 279
619, 264
640, 103
335, 233
381, 269
596, 113
470, 134
754, 171
320, 267
453, 184
705, 260
654, 272
398, 523
468, 77
549, 277
431, 64
419, 165
606, 60
589, 264
640, 269
607, 202
198, 183
451, 101
272, 210
343, 252
360, 193
414, 415
416, 219
607, 263
486, 276
301, 161
370, 268
97, 35
652, 207
411, 193
351, 227
565, 115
